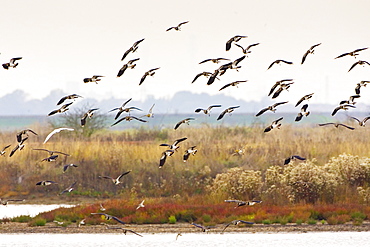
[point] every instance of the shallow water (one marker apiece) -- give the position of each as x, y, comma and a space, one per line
14, 210
336, 239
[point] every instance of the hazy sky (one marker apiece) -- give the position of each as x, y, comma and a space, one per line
62, 42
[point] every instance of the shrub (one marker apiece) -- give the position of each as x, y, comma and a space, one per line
172, 219
311, 221
299, 221
38, 221
22, 218
266, 222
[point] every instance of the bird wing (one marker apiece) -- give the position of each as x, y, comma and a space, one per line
287, 62
62, 100
179, 140
299, 117
227, 85
122, 70
272, 64
13, 151
162, 159
222, 114
118, 121
304, 56
125, 103
277, 93
348, 127
344, 54
123, 174
126, 53
178, 124
206, 60
54, 132
212, 106
83, 120
298, 157
186, 156
280, 103
228, 43
139, 119
142, 79
361, 49
213, 77
353, 65
336, 110
227, 225
133, 232
262, 111
199, 109
323, 124
274, 87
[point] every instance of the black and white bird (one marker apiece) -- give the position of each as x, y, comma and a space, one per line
129, 65
164, 156
192, 150
121, 108
274, 125
205, 73
150, 72
71, 96
359, 62
116, 181
212, 77
278, 83
174, 145
132, 49
227, 111
240, 203
282, 87
336, 125
302, 113
214, 60
342, 107
359, 85
94, 78
19, 146
125, 231
278, 61
235, 83
110, 217
62, 109
270, 108
51, 158
352, 53
351, 100
2, 152
246, 50
178, 27
25, 132
89, 115
12, 63
65, 167
128, 119
309, 51
184, 121
46, 183
68, 189
231, 65
306, 97
237, 222
234, 39
293, 157
361, 122
203, 228
206, 111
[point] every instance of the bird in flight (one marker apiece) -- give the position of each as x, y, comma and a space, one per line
50, 151
302, 113
235, 83
336, 125
150, 72
132, 49
309, 51
274, 125
116, 181
214, 60
62, 109
228, 110
282, 87
205, 73
234, 39
164, 156
71, 96
130, 64
94, 78
141, 205
270, 108
69, 189
125, 231
54, 132
206, 111
12, 63
361, 122
293, 157
65, 167
236, 222
278, 62
352, 53
24, 132
6, 201
246, 50
342, 107
174, 145
359, 62
46, 183
278, 83
178, 27
51, 158
19, 146
2, 152
240, 203
192, 150
89, 115
306, 97
121, 108
128, 119
184, 121
110, 217
150, 113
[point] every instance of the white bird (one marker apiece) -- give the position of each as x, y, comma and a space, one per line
141, 205
54, 132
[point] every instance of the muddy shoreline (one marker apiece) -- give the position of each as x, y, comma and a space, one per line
51, 228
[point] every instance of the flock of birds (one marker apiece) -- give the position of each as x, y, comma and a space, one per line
276, 90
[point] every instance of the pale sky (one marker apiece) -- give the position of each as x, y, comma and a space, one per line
62, 42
